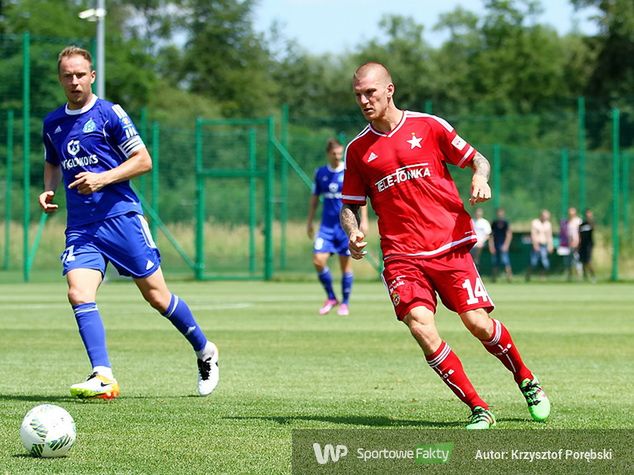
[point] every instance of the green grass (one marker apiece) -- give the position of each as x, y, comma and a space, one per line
283, 367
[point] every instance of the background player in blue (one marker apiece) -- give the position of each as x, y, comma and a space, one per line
331, 237
94, 147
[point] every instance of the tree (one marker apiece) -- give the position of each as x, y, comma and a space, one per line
613, 75
225, 59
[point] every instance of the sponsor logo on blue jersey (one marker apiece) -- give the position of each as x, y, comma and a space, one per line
73, 149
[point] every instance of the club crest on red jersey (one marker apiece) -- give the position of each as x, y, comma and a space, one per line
414, 142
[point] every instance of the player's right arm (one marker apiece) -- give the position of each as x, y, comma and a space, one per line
350, 219
52, 178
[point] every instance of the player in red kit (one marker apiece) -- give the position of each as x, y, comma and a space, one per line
399, 161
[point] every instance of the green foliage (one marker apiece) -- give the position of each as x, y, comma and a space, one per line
225, 59
613, 73
499, 78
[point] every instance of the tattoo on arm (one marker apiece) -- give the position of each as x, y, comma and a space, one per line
350, 218
481, 166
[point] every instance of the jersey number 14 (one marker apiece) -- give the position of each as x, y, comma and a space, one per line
477, 293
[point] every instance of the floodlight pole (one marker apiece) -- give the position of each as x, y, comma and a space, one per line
101, 48
99, 15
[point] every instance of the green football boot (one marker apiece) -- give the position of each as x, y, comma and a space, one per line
481, 418
538, 403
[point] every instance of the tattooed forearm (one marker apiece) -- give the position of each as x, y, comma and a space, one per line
481, 166
349, 218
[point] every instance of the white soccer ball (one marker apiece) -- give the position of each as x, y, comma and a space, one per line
48, 431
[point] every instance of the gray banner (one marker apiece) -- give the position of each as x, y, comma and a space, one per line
404, 451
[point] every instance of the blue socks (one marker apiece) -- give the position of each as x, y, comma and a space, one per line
326, 281
181, 317
346, 286
92, 333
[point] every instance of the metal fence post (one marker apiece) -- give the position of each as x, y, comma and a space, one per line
200, 202
283, 187
270, 196
625, 192
615, 192
8, 192
26, 147
252, 198
581, 144
565, 182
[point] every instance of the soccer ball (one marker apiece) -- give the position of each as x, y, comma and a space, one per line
48, 431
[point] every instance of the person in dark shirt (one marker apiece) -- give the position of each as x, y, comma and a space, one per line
586, 244
500, 244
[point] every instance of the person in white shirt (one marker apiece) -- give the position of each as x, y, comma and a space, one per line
482, 229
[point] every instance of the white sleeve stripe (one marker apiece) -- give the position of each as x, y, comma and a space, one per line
440, 120
131, 146
353, 198
119, 111
465, 156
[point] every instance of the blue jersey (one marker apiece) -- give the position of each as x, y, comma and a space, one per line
329, 182
96, 138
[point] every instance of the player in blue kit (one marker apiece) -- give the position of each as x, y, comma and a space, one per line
331, 238
93, 146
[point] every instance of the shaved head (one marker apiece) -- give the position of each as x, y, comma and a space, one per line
377, 70
373, 88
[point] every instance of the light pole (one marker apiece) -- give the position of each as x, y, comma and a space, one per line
99, 15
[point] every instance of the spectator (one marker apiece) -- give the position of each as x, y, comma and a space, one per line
542, 244
500, 244
569, 242
586, 244
482, 230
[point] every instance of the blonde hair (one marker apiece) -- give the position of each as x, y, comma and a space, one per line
73, 51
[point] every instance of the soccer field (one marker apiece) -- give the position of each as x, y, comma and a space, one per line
283, 367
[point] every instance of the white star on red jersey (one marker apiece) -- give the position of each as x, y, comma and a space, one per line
414, 142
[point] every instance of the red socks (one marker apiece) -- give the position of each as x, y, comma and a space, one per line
501, 346
447, 364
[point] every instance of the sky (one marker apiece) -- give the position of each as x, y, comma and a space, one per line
335, 26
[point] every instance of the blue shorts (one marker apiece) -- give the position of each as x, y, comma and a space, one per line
124, 240
332, 241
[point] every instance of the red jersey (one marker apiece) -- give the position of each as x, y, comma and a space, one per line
405, 175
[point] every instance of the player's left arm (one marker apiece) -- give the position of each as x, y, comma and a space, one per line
137, 164
480, 189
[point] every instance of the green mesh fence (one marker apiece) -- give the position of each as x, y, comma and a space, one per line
562, 155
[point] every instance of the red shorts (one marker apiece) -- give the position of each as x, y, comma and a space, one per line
413, 282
